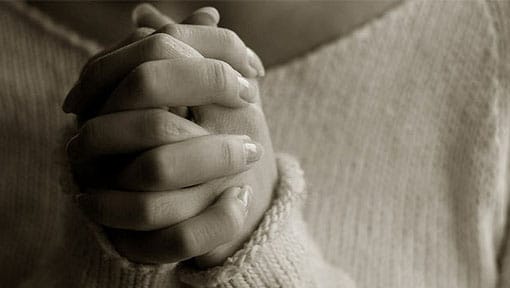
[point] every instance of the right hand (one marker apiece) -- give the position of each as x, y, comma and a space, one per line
174, 153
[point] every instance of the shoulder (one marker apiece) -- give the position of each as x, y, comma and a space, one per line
19, 17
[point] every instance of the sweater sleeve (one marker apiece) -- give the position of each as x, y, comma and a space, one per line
280, 253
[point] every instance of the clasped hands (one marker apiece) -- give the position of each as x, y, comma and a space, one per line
173, 155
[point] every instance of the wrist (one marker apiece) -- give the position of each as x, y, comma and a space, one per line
272, 237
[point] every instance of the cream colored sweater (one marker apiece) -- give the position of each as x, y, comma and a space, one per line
402, 129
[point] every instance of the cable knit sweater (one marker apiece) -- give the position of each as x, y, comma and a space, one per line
402, 129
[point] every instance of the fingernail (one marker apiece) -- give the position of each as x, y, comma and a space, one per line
244, 195
244, 90
255, 62
252, 151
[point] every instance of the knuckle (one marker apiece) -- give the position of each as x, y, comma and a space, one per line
170, 33
218, 75
228, 37
157, 44
170, 29
228, 154
159, 39
161, 126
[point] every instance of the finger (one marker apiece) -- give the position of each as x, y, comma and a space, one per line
207, 16
105, 72
218, 224
146, 15
130, 132
148, 18
98, 172
181, 82
145, 211
218, 43
194, 161
136, 35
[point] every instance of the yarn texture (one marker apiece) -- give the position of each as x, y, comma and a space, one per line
401, 128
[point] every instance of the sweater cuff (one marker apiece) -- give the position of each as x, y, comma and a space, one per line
274, 256
105, 267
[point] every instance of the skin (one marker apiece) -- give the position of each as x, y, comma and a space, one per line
186, 190
176, 183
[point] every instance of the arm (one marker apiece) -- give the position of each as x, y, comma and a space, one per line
276, 235
280, 253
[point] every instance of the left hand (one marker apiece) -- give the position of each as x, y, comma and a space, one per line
246, 120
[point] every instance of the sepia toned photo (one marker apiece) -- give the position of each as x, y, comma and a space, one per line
255, 143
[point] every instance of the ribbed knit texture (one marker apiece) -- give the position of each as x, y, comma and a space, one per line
402, 131
401, 128
276, 255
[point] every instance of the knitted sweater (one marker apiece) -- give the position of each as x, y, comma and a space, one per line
402, 129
